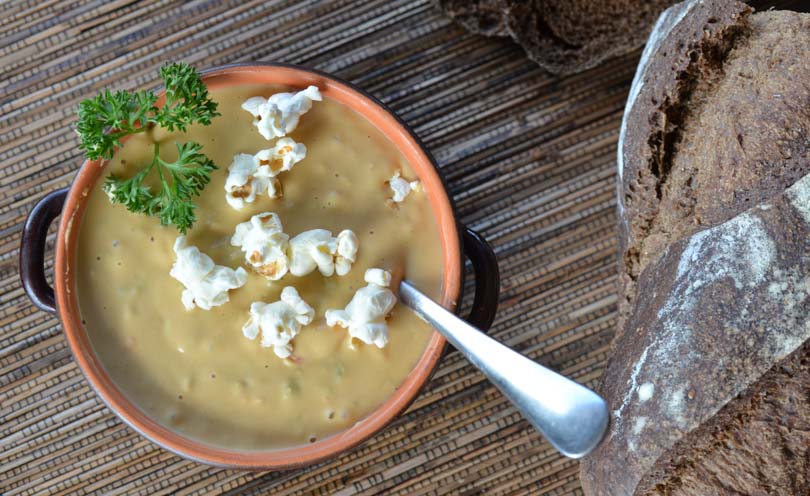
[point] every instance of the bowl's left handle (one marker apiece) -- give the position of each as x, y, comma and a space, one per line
32, 250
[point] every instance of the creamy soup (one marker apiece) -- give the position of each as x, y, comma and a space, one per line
193, 370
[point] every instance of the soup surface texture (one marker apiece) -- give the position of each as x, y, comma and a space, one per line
193, 370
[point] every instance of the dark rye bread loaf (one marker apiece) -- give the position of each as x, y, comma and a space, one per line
709, 380
562, 36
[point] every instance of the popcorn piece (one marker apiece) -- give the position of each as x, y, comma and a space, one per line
244, 182
279, 322
378, 277
282, 157
402, 188
317, 248
206, 283
253, 175
271, 253
311, 249
278, 115
365, 315
264, 244
347, 245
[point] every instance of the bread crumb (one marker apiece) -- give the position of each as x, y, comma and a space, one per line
645, 391
638, 425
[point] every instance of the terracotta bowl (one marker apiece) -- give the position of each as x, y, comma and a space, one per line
455, 240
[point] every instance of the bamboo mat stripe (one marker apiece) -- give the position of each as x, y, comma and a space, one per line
529, 160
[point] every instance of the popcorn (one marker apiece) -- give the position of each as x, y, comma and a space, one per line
279, 322
278, 115
378, 277
282, 157
245, 182
253, 175
347, 245
264, 244
365, 314
272, 253
318, 249
206, 283
311, 249
402, 188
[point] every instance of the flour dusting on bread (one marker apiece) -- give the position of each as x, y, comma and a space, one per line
799, 195
743, 252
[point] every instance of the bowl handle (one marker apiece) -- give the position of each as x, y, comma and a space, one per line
487, 279
32, 250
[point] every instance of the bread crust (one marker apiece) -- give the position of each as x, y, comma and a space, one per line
683, 58
711, 356
562, 36
759, 443
717, 312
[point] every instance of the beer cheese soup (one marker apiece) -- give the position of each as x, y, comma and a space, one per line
229, 375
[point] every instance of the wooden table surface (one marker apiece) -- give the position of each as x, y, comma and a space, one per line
530, 160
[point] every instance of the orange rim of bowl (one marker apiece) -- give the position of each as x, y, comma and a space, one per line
424, 166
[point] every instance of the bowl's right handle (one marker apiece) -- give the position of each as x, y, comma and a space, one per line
32, 249
487, 279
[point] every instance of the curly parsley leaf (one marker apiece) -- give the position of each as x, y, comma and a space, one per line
110, 116
121, 113
179, 182
187, 99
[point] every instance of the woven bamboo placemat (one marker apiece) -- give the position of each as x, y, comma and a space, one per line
530, 162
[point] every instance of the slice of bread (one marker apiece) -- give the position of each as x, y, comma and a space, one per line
709, 379
562, 36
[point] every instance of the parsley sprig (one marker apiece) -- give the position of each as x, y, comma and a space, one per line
110, 116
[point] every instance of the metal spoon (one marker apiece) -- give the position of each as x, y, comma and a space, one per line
572, 417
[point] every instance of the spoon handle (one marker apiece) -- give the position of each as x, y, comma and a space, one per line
572, 417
